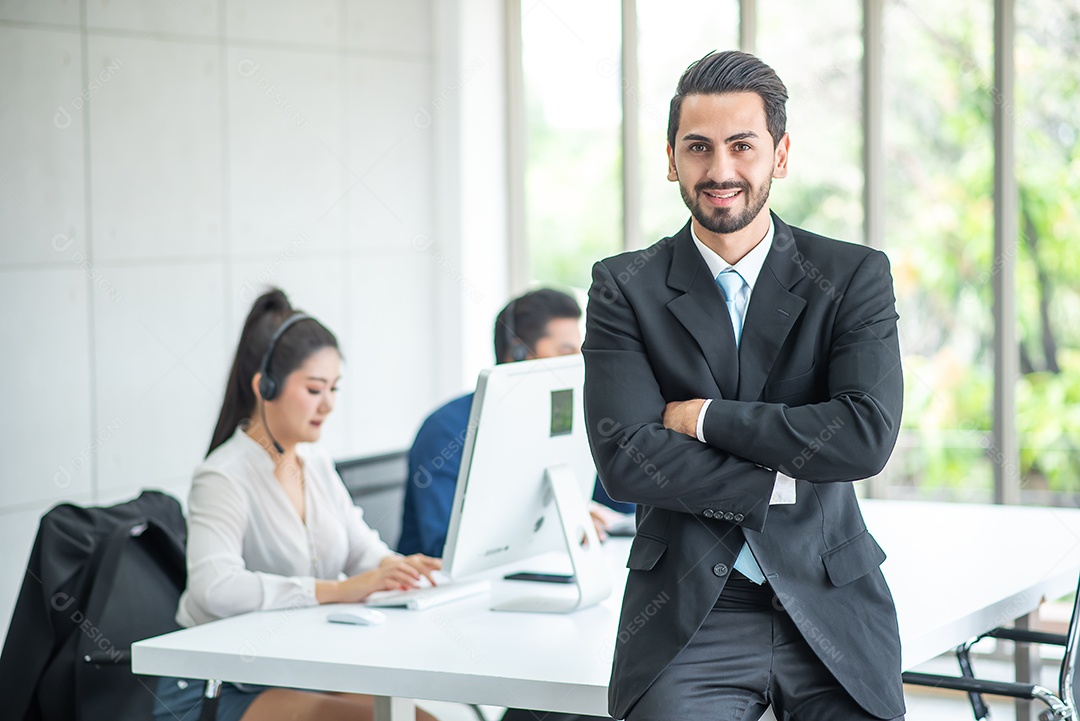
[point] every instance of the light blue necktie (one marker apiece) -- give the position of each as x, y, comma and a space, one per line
731, 283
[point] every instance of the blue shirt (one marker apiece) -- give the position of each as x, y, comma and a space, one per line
434, 461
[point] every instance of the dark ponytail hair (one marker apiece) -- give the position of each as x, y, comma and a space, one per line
269, 311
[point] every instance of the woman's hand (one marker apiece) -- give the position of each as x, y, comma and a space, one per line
395, 573
418, 565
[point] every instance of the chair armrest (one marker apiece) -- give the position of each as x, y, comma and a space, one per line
972, 685
1025, 636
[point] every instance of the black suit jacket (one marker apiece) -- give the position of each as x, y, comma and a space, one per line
98, 580
814, 389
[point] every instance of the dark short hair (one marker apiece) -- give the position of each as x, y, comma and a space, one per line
732, 71
525, 319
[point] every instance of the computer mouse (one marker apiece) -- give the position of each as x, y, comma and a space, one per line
358, 616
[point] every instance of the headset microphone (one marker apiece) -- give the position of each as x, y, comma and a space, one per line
277, 446
269, 386
518, 351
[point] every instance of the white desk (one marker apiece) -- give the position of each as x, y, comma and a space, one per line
955, 571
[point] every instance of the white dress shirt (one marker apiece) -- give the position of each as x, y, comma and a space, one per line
247, 547
749, 267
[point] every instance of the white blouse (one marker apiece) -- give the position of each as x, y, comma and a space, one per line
247, 547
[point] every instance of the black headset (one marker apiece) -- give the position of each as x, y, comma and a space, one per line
518, 351
269, 386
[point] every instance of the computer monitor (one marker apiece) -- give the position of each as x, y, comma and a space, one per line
525, 480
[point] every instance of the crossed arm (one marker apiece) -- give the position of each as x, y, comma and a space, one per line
642, 439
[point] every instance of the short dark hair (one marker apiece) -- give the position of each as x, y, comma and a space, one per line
525, 320
732, 71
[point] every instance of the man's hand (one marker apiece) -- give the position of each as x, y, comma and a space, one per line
681, 416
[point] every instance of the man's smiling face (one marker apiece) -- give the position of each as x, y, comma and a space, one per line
724, 159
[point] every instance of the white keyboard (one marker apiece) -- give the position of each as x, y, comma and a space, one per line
418, 599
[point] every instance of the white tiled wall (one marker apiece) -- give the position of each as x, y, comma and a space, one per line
64, 12
46, 425
191, 17
287, 149
378, 346
160, 163
398, 27
160, 357
394, 202
156, 149
315, 22
42, 183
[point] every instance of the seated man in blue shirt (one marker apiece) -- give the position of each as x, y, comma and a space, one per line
541, 324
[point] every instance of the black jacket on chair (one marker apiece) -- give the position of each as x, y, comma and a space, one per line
98, 580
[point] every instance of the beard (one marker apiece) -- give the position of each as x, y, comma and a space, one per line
725, 220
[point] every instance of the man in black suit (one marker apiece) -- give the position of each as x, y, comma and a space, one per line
721, 364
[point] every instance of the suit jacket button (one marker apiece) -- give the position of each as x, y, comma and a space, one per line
739, 517
709, 513
720, 570
729, 516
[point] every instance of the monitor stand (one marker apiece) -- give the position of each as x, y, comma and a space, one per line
591, 579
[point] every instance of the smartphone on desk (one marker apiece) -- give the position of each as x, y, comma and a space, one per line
542, 577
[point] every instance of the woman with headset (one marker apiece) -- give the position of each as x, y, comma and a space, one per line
270, 523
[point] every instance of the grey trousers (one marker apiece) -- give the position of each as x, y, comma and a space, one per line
747, 655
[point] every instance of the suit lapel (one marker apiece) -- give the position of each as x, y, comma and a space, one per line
771, 314
702, 311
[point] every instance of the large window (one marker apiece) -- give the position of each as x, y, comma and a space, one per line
1048, 261
573, 201
939, 235
937, 168
823, 193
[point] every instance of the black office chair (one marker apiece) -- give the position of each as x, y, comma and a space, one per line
377, 484
1060, 705
98, 579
